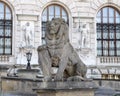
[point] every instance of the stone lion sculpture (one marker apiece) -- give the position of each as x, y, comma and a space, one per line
59, 53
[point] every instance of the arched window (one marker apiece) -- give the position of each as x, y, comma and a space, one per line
5, 29
50, 12
108, 32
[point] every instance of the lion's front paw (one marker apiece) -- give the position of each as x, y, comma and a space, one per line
40, 48
58, 78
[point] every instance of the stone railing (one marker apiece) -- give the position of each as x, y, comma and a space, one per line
108, 60
4, 58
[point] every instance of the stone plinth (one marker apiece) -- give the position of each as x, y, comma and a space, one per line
42, 88
16, 85
19, 84
67, 88
65, 92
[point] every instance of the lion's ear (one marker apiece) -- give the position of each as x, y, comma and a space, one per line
62, 29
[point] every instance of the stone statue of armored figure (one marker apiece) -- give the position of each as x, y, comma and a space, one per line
59, 53
84, 29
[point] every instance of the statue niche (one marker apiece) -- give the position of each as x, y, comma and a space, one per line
59, 53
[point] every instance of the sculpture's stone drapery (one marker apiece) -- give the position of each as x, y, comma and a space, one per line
58, 52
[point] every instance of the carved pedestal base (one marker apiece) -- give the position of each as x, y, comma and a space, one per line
69, 88
67, 92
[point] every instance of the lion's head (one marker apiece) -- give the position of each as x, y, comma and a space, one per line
57, 27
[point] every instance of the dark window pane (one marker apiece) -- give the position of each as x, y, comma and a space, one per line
99, 20
1, 16
105, 44
1, 10
1, 7
118, 52
105, 52
99, 52
64, 12
57, 13
8, 13
111, 12
105, 20
111, 43
118, 45
1, 42
117, 34
44, 18
7, 51
1, 31
8, 42
111, 20
99, 35
105, 12
51, 10
99, 44
8, 31
1, 50
111, 52
111, 36
117, 20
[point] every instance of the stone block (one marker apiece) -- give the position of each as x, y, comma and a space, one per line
68, 88
9, 85
65, 93
27, 17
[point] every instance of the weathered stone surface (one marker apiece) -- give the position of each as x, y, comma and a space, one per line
19, 84
102, 91
25, 85
58, 52
18, 94
67, 89
66, 93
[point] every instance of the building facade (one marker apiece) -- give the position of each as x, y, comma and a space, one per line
94, 31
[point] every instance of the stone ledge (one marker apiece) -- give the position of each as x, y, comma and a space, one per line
66, 92
18, 83
20, 79
17, 94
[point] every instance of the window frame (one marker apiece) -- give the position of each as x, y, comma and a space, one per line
7, 23
100, 30
48, 19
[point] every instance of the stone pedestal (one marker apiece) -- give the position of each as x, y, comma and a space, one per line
67, 88
53, 88
38, 87
65, 92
